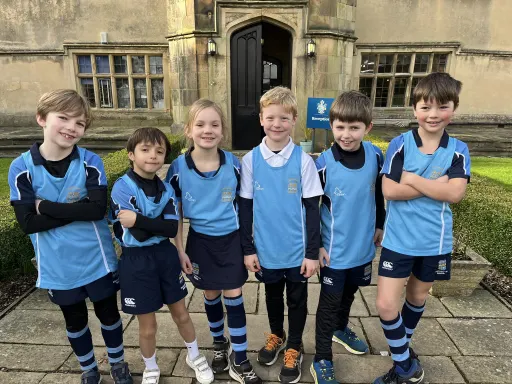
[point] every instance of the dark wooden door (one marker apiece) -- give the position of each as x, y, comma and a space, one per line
246, 79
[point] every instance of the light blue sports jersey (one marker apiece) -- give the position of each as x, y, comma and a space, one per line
348, 209
127, 195
209, 202
78, 253
422, 226
279, 216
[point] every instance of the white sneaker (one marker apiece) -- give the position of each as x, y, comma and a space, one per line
150, 376
204, 373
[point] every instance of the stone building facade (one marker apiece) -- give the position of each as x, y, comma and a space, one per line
146, 61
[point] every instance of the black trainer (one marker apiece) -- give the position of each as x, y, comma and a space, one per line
120, 373
244, 373
291, 370
397, 376
273, 346
221, 352
90, 377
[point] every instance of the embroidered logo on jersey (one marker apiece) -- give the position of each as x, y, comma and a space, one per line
227, 195
129, 302
189, 197
195, 271
338, 192
436, 173
257, 186
387, 265
293, 185
73, 195
328, 280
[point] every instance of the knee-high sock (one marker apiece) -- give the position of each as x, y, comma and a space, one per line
81, 342
394, 330
215, 315
411, 315
237, 326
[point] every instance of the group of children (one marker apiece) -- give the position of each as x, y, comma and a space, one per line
276, 213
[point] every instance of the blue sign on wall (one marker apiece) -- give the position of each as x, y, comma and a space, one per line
318, 112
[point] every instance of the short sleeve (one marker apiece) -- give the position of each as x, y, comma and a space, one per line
246, 178
95, 171
461, 163
394, 162
173, 178
20, 184
380, 157
122, 198
310, 181
237, 170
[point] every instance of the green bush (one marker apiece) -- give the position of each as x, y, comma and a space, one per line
16, 250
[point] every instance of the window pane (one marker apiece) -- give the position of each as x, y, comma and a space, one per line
88, 90
120, 64
138, 65
105, 90
102, 65
421, 63
365, 86
381, 92
415, 81
403, 63
157, 92
155, 65
368, 63
84, 64
439, 64
123, 93
399, 92
385, 63
141, 94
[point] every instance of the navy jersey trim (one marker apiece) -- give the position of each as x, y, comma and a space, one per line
38, 159
419, 143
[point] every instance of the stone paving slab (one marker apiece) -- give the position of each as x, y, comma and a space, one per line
434, 307
21, 378
33, 357
429, 338
480, 304
62, 378
480, 337
166, 360
250, 293
44, 327
485, 369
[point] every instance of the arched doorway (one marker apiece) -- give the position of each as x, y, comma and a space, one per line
260, 60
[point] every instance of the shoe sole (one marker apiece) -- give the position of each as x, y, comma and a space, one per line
235, 376
281, 348
189, 363
298, 377
112, 377
313, 373
230, 351
347, 347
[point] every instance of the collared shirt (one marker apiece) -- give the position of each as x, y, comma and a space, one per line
56, 168
309, 177
151, 188
191, 165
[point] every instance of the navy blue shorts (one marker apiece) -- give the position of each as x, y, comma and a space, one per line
424, 268
270, 276
217, 261
334, 280
97, 290
150, 277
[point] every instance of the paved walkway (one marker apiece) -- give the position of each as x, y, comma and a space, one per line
459, 340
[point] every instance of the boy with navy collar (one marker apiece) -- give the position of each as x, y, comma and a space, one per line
352, 218
59, 195
144, 215
425, 171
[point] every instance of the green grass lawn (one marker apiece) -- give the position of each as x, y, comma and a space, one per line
4, 170
497, 168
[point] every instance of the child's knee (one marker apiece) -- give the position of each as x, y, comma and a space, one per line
181, 318
211, 295
386, 307
148, 331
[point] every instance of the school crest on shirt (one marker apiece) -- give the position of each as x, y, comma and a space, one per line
73, 195
436, 173
293, 185
227, 195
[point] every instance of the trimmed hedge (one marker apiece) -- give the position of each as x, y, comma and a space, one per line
16, 248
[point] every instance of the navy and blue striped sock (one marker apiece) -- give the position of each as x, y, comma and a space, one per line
237, 326
215, 315
411, 314
113, 337
394, 330
81, 342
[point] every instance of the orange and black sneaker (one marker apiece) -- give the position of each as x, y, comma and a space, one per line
291, 371
273, 346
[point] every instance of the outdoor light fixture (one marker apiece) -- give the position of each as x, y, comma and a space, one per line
212, 47
310, 48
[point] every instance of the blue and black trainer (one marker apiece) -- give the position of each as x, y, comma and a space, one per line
350, 341
323, 372
397, 375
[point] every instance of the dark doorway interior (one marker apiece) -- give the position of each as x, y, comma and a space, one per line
260, 60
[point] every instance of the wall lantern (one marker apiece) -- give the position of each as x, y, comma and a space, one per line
310, 48
212, 47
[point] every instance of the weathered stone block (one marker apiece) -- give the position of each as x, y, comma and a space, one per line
481, 303
480, 369
33, 357
23, 378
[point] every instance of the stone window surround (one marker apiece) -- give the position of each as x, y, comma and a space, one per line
72, 50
